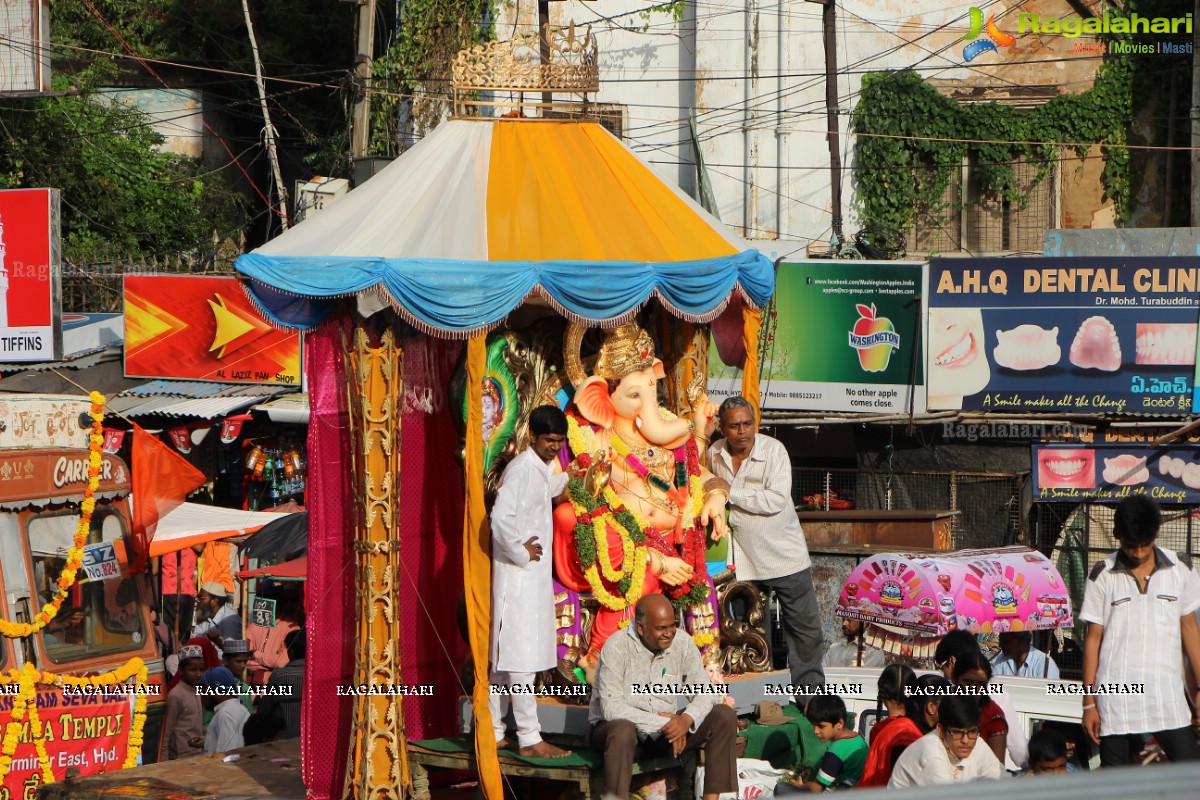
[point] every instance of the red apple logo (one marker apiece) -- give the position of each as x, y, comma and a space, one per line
874, 338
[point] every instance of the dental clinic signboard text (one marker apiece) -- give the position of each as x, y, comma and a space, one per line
844, 336
1058, 335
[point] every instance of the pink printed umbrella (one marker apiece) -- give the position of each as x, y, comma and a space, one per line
983, 591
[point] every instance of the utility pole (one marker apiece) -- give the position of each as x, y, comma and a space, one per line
1195, 118
360, 128
828, 24
268, 128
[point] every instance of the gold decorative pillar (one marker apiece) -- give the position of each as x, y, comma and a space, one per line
378, 764
684, 347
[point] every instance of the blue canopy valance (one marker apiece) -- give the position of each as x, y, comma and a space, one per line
456, 299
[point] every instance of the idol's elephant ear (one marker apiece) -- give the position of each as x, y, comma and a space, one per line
594, 403
501, 403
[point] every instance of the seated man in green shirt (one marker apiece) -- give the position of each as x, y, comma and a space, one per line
843, 763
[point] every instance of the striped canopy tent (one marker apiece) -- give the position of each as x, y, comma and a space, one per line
480, 217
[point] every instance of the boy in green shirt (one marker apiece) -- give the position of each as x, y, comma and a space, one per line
843, 763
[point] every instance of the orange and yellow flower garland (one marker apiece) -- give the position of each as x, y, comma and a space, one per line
19, 630
28, 678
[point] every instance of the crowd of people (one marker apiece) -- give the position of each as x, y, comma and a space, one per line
1140, 603
226, 691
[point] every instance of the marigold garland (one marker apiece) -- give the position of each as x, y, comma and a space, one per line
590, 540
28, 678
633, 529
19, 630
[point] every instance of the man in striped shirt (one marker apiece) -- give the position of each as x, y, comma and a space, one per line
1139, 603
756, 472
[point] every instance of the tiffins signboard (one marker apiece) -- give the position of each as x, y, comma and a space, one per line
30, 288
845, 336
1050, 335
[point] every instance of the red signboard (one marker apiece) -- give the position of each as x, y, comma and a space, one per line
203, 329
86, 732
30, 315
38, 474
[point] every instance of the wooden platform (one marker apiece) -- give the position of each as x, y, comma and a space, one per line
270, 770
587, 777
559, 718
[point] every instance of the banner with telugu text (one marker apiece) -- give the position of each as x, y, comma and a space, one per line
83, 731
1110, 466
1058, 335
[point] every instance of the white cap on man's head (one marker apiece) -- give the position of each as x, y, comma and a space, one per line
214, 589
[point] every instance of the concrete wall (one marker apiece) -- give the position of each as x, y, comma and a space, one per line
752, 72
1124, 242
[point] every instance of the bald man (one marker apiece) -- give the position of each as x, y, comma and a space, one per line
642, 673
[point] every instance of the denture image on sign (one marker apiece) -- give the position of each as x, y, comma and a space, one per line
958, 365
1096, 345
1027, 347
1176, 468
1067, 469
1166, 343
1126, 470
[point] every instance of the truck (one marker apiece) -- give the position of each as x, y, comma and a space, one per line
105, 620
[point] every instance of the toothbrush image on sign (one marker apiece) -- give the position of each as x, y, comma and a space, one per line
874, 338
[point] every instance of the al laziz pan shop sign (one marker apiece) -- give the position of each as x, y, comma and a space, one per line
1049, 335
30, 282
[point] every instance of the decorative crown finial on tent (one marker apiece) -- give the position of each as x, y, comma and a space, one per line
516, 65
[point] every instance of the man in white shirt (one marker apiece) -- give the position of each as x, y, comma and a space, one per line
1140, 603
523, 624
952, 752
1020, 659
756, 472
849, 651
229, 717
214, 616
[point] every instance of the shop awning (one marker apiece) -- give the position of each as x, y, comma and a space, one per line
191, 399
291, 408
194, 523
294, 570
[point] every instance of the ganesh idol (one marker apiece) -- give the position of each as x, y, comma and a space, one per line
637, 516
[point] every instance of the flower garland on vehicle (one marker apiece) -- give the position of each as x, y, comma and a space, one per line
28, 678
19, 630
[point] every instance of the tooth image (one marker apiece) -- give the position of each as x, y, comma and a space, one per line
1191, 476
1096, 345
1126, 470
1166, 343
1164, 465
1027, 347
1176, 468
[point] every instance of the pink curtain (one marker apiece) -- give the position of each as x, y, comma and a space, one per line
325, 717
432, 649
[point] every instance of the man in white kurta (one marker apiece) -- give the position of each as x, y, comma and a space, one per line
523, 624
